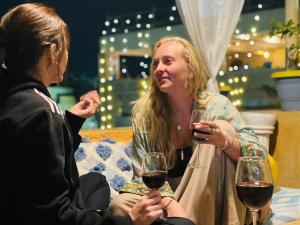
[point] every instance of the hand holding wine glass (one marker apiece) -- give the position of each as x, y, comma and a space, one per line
254, 183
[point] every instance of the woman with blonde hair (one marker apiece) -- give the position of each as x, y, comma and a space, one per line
161, 123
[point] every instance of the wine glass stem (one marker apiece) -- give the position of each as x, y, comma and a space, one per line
254, 216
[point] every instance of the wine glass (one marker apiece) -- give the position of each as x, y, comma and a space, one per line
197, 116
154, 168
254, 183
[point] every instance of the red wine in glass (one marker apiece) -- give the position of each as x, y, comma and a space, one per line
154, 179
254, 195
197, 116
154, 168
254, 184
193, 131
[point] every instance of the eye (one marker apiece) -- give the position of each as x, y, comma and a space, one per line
168, 61
155, 63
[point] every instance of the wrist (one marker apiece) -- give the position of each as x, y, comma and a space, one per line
227, 143
165, 212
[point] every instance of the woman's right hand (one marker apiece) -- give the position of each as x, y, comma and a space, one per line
147, 209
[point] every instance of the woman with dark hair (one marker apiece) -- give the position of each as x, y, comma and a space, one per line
40, 182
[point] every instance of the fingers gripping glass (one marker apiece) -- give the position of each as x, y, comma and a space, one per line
154, 168
197, 116
254, 184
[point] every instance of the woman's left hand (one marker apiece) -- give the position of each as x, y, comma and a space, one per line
210, 133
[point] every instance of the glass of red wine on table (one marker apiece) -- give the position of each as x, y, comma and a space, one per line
197, 116
254, 183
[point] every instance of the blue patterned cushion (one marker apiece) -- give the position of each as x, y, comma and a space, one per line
108, 157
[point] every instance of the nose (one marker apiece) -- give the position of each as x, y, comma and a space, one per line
159, 68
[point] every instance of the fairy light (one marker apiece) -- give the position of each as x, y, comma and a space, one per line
150, 16
109, 88
101, 70
256, 17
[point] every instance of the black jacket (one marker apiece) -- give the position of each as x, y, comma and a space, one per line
39, 177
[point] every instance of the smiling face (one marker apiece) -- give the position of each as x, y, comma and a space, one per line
170, 69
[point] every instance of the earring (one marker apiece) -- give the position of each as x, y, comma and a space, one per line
185, 84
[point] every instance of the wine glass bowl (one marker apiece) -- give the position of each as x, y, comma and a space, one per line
154, 170
197, 116
254, 184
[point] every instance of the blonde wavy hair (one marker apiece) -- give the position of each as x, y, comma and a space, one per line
153, 111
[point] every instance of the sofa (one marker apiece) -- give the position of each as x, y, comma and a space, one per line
108, 152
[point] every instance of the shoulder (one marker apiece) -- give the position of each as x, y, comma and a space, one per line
214, 98
45, 101
30, 102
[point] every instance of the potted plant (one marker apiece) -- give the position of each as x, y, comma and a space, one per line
288, 81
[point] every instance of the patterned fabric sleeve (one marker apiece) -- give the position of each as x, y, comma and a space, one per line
221, 108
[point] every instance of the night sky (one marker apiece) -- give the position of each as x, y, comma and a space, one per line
86, 21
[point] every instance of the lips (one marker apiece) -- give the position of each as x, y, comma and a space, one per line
163, 79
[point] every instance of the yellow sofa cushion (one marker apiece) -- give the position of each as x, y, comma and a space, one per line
123, 134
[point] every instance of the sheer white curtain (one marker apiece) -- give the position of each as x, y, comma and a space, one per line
210, 25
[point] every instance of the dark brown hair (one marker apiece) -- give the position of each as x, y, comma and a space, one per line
27, 31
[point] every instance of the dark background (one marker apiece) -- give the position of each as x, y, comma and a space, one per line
86, 21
